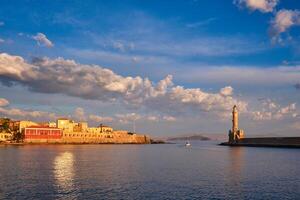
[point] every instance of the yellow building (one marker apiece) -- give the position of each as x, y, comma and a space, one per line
52, 124
5, 136
74, 132
25, 124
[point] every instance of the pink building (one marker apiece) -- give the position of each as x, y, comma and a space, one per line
42, 133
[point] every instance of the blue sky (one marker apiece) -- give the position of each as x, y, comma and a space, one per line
251, 46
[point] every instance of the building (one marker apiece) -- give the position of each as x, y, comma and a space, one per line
69, 126
52, 124
105, 129
4, 136
235, 134
65, 124
42, 134
25, 124
67, 131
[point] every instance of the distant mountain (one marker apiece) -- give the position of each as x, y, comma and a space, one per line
191, 137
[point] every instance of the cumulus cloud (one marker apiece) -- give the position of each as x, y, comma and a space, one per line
42, 40
261, 5
79, 114
131, 117
121, 45
128, 118
118, 45
21, 113
169, 118
94, 82
97, 118
284, 19
226, 91
3, 102
153, 118
274, 111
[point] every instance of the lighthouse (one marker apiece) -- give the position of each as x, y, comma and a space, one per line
235, 119
235, 133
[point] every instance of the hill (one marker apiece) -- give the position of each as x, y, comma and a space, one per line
190, 137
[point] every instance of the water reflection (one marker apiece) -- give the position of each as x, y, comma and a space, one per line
64, 172
236, 159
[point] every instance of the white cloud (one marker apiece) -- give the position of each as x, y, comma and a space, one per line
79, 114
131, 117
242, 75
153, 118
97, 118
122, 46
226, 91
42, 40
273, 111
135, 59
94, 82
201, 23
2, 40
172, 46
284, 19
169, 118
261, 5
118, 45
3, 102
21, 114
128, 118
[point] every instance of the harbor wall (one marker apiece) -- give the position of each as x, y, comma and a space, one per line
293, 142
271, 140
88, 138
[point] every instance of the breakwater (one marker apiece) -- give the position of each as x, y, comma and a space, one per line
290, 142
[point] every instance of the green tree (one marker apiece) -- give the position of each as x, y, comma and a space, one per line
5, 125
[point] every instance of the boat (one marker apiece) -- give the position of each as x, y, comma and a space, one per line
187, 144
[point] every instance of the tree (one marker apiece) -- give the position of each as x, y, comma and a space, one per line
18, 136
4, 127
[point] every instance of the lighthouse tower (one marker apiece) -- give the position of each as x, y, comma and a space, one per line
235, 133
235, 119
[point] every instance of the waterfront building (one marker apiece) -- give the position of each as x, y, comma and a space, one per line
66, 131
42, 134
24, 124
65, 124
52, 124
4, 136
235, 134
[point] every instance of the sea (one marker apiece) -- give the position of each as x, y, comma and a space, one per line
204, 170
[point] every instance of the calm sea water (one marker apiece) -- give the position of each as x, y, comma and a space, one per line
171, 171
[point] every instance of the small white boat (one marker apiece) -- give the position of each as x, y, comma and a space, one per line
187, 144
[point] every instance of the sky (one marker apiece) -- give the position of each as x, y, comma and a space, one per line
167, 67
